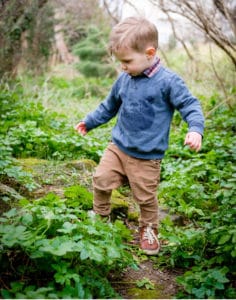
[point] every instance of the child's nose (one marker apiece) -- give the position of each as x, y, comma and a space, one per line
123, 67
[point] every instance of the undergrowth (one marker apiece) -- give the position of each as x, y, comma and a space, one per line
51, 248
202, 189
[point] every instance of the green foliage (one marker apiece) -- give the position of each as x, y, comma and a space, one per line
79, 197
198, 187
90, 53
8, 114
28, 129
83, 89
202, 189
205, 284
31, 130
146, 283
96, 69
93, 55
72, 252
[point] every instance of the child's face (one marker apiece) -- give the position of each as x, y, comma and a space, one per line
132, 62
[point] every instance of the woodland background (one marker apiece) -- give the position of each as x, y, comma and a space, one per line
54, 69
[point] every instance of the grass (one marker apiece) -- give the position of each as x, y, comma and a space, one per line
210, 77
70, 97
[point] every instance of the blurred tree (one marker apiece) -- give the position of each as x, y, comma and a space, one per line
26, 31
76, 16
94, 58
38, 33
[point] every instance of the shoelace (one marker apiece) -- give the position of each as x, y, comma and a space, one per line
149, 235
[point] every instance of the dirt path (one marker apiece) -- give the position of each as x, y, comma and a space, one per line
155, 284
147, 281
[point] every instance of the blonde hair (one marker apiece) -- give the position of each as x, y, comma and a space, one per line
134, 32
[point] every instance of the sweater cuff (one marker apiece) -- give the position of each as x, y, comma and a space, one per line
198, 129
89, 125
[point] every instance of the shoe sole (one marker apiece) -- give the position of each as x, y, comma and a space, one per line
151, 252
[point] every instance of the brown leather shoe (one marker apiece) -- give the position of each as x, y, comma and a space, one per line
148, 240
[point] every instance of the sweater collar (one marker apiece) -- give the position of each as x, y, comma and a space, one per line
149, 72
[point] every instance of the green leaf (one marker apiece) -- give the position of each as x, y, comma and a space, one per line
234, 238
219, 286
24, 202
199, 292
112, 252
13, 234
67, 227
233, 253
80, 290
27, 219
145, 282
219, 275
84, 254
57, 246
225, 238
11, 213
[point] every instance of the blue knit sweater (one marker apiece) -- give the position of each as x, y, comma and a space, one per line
144, 107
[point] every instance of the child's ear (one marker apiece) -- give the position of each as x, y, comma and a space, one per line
150, 52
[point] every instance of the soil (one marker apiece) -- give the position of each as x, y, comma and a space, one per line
162, 283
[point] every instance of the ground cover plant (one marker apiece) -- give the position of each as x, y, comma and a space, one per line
202, 190
66, 253
51, 247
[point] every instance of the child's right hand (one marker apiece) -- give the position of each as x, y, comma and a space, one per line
81, 128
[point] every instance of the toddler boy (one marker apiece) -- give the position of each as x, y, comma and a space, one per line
144, 98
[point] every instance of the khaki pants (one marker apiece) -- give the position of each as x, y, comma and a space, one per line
114, 169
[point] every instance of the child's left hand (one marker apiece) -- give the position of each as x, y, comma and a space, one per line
193, 140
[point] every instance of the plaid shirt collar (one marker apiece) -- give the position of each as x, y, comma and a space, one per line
149, 72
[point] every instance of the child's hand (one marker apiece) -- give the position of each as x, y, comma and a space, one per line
81, 128
193, 140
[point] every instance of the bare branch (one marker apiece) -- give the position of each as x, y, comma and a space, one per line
215, 18
216, 74
178, 38
113, 9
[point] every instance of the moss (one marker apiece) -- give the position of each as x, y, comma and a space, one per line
82, 164
157, 293
28, 164
133, 216
79, 196
119, 206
